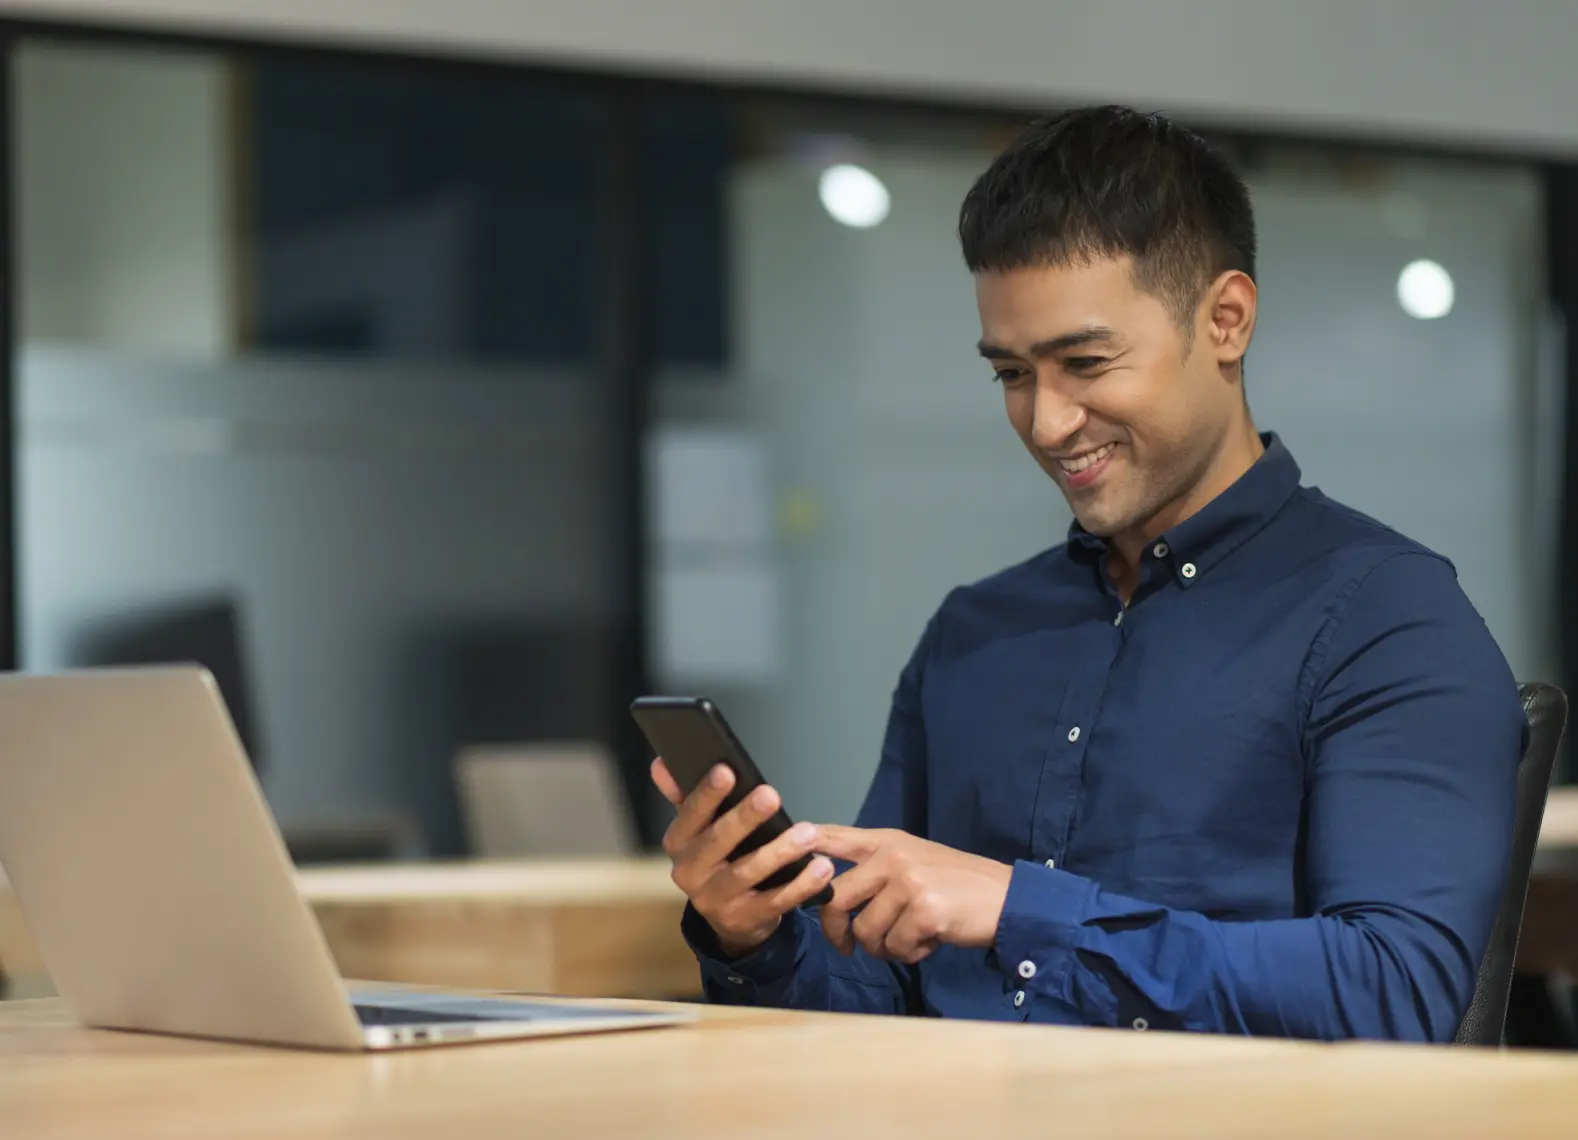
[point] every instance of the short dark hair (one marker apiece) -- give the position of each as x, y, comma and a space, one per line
1109, 181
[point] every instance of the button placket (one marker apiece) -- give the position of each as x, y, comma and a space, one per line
1069, 741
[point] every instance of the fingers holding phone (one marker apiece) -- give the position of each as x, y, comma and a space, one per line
725, 893
736, 852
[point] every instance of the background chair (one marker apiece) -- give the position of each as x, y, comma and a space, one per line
544, 800
1546, 709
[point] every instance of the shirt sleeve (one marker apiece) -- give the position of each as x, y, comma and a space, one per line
796, 968
1412, 739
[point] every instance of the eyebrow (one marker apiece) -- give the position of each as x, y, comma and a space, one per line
1079, 338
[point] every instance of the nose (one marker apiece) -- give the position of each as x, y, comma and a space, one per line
1057, 418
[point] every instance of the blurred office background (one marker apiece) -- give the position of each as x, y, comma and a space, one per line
454, 383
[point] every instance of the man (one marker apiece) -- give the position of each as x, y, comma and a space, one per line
1233, 758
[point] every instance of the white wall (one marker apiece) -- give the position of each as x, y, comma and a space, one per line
124, 199
1495, 75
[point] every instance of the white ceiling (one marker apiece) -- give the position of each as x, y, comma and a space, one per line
1486, 76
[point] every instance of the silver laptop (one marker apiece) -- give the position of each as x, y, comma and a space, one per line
155, 882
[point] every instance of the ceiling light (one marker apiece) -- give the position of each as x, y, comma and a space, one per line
854, 196
1424, 290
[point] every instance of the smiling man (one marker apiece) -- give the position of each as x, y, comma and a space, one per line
1232, 758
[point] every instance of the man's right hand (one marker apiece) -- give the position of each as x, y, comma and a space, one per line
725, 893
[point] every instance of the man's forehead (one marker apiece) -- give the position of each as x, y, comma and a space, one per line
1041, 304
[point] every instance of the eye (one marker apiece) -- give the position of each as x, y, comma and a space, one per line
1084, 363
1009, 375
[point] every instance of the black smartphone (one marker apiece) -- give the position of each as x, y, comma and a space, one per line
692, 736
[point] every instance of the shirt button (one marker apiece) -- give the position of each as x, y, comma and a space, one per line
1019, 998
1119, 619
736, 980
1141, 1024
1161, 550
1027, 969
1073, 734
1051, 864
1187, 569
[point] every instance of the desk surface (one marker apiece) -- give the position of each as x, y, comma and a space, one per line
770, 1074
539, 881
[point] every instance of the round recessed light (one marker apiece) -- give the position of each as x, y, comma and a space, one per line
854, 196
1424, 290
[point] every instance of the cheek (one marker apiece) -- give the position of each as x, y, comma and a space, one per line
1020, 405
1153, 410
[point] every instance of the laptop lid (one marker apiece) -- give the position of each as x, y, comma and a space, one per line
151, 873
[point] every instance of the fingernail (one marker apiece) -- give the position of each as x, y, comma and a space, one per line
719, 777
821, 866
762, 797
804, 834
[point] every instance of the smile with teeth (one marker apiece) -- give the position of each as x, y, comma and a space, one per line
1090, 458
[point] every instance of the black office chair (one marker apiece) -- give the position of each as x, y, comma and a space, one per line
1546, 708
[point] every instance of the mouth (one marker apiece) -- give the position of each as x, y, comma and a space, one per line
1083, 470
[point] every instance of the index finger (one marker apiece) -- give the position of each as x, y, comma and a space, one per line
851, 890
852, 844
697, 810
664, 779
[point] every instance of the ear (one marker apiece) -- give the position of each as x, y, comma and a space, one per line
1229, 315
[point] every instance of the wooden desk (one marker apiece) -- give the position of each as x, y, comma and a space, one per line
601, 928
586, 927
773, 1074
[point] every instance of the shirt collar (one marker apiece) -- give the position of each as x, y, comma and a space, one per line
1201, 541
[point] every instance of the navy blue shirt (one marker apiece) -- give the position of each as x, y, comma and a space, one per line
1272, 795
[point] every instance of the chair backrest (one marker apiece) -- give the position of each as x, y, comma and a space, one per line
543, 800
1546, 708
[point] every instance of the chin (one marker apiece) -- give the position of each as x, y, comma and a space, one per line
1103, 524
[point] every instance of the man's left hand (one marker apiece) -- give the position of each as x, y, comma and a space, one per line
917, 894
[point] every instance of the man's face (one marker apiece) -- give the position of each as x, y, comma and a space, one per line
1100, 386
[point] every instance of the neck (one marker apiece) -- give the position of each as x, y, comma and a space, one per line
1236, 455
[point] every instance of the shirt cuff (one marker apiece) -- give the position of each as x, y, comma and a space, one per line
1039, 929
742, 980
